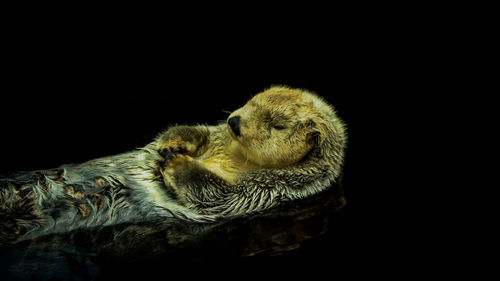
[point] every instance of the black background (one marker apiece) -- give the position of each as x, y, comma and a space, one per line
68, 99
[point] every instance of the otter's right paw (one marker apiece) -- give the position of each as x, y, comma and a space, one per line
171, 148
177, 173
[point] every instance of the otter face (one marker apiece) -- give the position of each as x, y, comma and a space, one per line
275, 127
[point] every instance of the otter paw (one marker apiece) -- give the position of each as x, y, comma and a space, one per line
171, 148
178, 161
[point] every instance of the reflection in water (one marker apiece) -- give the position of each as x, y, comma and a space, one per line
85, 254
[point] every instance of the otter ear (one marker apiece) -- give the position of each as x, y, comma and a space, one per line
313, 138
314, 132
322, 134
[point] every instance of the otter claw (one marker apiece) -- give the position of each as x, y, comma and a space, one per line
169, 153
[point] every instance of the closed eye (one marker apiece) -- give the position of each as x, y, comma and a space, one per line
279, 127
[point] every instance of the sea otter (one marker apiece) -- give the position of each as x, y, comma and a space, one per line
284, 144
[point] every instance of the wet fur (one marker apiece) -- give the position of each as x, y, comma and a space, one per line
196, 173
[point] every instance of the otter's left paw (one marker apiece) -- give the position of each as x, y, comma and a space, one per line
178, 161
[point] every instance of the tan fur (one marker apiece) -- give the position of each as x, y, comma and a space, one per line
286, 108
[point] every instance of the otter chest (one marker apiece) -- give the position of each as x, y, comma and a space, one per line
224, 163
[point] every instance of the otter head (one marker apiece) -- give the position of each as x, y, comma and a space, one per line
278, 127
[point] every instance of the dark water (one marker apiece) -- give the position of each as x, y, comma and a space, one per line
105, 102
152, 246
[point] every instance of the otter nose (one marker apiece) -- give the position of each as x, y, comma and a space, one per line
234, 123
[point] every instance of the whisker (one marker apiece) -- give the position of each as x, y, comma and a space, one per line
226, 111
